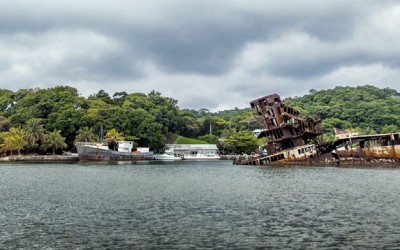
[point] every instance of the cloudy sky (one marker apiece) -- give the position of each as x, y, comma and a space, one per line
215, 54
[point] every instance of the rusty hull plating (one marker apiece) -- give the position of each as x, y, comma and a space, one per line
292, 139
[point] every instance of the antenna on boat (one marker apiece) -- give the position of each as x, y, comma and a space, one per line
176, 141
101, 134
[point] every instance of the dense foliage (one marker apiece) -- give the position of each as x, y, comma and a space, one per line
366, 109
53, 119
36, 120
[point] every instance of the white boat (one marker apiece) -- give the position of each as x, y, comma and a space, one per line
169, 154
167, 157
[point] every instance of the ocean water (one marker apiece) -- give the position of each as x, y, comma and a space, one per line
197, 205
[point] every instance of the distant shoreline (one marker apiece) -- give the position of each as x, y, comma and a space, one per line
74, 158
40, 158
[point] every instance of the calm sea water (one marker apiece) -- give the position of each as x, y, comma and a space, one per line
197, 205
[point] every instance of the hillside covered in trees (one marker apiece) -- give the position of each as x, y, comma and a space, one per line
53, 119
42, 120
365, 109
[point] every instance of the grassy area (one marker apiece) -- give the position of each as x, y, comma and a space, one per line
184, 140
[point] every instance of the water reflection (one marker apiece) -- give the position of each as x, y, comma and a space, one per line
197, 205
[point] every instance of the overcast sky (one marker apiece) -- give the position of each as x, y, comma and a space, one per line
215, 54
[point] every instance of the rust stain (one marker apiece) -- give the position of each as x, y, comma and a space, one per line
291, 138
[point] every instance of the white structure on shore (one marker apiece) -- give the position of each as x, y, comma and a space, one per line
194, 151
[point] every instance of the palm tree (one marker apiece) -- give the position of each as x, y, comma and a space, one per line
35, 132
55, 141
7, 145
85, 134
113, 136
19, 141
14, 140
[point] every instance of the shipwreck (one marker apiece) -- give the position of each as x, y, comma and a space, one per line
293, 139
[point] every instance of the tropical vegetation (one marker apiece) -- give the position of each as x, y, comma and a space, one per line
365, 109
54, 119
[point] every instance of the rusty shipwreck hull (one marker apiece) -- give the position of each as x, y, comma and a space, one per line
380, 155
380, 148
293, 139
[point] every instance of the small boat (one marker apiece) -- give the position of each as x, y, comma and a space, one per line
167, 157
88, 151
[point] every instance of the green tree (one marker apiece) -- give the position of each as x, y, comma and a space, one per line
367, 108
6, 101
240, 142
210, 138
152, 134
67, 120
390, 129
85, 134
112, 137
4, 124
98, 112
35, 132
7, 145
101, 95
55, 141
188, 125
119, 98
138, 100
13, 140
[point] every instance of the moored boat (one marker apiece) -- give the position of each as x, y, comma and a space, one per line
167, 157
100, 152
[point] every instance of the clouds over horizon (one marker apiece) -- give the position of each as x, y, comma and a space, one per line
206, 54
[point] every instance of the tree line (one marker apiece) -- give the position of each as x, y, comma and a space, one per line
54, 119
365, 109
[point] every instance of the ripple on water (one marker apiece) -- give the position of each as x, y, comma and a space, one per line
197, 205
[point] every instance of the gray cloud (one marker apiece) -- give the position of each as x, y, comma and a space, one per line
211, 54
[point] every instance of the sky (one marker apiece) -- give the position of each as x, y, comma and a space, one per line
213, 54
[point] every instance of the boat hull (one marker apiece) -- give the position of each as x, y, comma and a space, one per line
381, 155
166, 157
93, 153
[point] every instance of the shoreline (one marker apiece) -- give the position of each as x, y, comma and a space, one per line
40, 158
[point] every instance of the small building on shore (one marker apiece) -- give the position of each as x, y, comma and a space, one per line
194, 151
